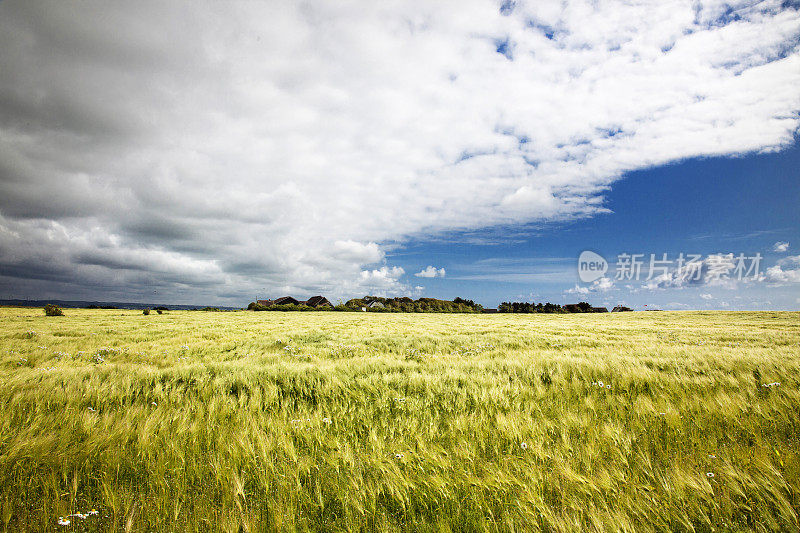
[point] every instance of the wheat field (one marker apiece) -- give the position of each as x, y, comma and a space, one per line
197, 421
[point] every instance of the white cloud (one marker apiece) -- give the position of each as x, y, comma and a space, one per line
787, 270
357, 252
677, 306
384, 280
601, 285
578, 289
431, 272
706, 296
270, 144
780, 246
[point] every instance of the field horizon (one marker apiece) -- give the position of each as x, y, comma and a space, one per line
242, 421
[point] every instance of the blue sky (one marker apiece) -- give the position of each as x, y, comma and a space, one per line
705, 206
223, 152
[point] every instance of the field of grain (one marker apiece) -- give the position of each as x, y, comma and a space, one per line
199, 421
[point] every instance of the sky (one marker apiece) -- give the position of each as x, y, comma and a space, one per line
219, 152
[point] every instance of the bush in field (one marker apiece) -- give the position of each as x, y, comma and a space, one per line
53, 310
146, 312
159, 311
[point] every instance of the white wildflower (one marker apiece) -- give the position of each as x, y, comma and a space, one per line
710, 474
63, 521
398, 456
524, 445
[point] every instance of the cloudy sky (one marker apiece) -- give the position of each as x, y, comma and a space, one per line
215, 152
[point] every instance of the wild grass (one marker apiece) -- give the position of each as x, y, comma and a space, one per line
252, 422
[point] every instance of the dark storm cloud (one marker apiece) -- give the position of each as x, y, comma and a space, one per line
162, 229
36, 270
99, 259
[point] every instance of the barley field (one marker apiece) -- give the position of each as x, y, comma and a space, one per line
197, 421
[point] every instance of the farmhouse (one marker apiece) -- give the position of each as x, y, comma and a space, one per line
317, 301
285, 300
314, 301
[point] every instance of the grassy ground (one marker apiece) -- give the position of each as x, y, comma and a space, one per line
192, 421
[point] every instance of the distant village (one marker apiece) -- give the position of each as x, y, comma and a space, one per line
421, 305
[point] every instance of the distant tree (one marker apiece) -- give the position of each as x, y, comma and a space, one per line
53, 310
146, 312
356, 303
468, 303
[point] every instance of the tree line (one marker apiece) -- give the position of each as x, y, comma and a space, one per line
378, 304
525, 307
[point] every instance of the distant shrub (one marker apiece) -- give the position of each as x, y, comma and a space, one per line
53, 310
161, 308
146, 312
159, 311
